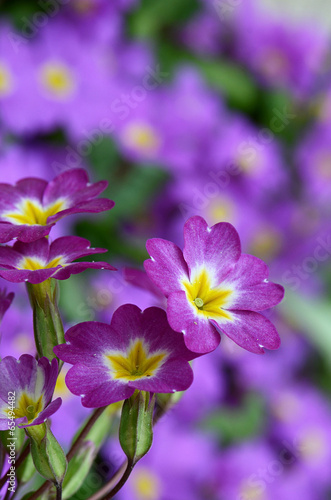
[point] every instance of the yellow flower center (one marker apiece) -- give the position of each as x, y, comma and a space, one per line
136, 363
324, 165
251, 492
28, 407
33, 263
141, 137
5, 81
57, 79
31, 212
266, 243
274, 64
313, 445
207, 301
146, 485
223, 210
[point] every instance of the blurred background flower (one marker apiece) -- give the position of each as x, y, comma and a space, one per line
217, 108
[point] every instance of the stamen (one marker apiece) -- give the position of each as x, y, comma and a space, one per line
199, 302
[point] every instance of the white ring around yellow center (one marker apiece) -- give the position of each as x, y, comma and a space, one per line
207, 301
6, 81
31, 212
142, 137
57, 79
34, 263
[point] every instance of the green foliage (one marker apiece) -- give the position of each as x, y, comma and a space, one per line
235, 424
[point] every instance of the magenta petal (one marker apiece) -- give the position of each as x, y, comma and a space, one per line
217, 248
173, 376
92, 206
65, 185
5, 302
32, 188
250, 330
167, 267
63, 273
23, 233
252, 290
200, 336
94, 387
140, 279
9, 197
72, 247
45, 414
19, 276
37, 249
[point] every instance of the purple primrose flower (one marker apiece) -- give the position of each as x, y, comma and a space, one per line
40, 260
138, 350
27, 386
212, 288
32, 206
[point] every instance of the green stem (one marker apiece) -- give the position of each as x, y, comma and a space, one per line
76, 445
121, 483
112, 483
47, 322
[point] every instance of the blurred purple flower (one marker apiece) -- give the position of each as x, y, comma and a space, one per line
282, 54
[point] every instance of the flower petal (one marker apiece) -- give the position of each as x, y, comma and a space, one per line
217, 248
251, 289
167, 267
250, 330
200, 336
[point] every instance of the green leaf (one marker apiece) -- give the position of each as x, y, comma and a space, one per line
235, 83
136, 427
78, 469
312, 317
239, 423
27, 470
155, 15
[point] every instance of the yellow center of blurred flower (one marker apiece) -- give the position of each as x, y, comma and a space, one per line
207, 301
136, 363
266, 243
287, 407
221, 210
5, 81
33, 263
57, 79
274, 64
146, 485
141, 137
31, 212
249, 162
83, 6
323, 165
313, 445
28, 407
24, 343
251, 492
